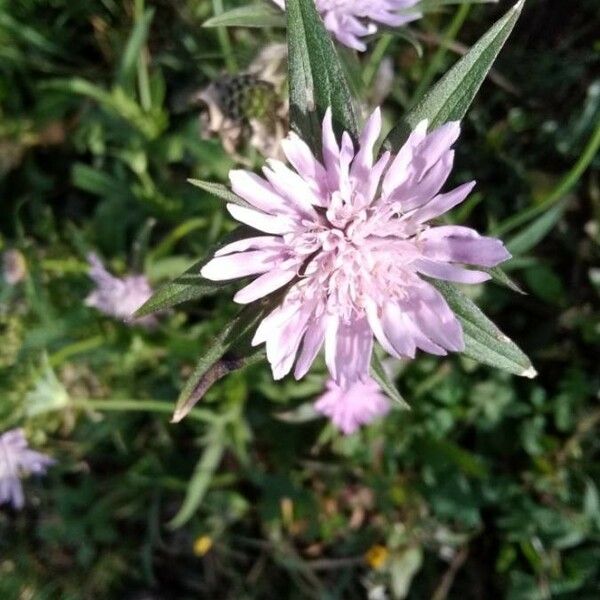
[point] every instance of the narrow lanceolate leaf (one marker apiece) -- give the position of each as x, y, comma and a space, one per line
379, 374
228, 351
189, 285
450, 98
262, 14
502, 278
220, 191
200, 481
133, 49
316, 77
484, 342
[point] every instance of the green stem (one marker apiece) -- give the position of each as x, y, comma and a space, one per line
224, 41
560, 191
438, 58
375, 59
153, 406
60, 266
66, 352
142, 66
174, 236
144, 81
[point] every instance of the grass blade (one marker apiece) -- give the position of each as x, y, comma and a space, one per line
253, 15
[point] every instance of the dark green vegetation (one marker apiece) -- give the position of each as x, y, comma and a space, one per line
486, 489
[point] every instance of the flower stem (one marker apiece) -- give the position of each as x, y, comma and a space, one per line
69, 350
375, 59
560, 191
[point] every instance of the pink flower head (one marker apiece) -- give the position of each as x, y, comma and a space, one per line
351, 20
16, 459
350, 238
118, 297
349, 409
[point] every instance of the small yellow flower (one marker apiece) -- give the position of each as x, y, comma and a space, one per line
287, 511
202, 545
376, 556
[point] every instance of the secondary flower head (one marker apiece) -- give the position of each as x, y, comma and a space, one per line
349, 409
349, 237
14, 266
16, 459
249, 107
118, 297
351, 20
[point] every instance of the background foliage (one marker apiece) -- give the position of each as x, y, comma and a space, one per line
486, 489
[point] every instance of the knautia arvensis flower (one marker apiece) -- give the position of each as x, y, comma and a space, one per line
349, 409
14, 266
17, 460
350, 238
118, 297
349, 21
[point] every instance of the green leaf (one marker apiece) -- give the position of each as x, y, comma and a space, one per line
536, 231
484, 342
97, 182
545, 284
234, 341
385, 383
117, 102
49, 393
30, 36
200, 481
190, 285
450, 98
502, 278
220, 191
128, 65
316, 77
254, 15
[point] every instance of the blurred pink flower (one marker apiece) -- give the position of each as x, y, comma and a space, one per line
349, 409
351, 236
350, 20
16, 460
118, 297
14, 266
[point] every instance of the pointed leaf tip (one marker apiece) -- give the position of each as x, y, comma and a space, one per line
190, 285
379, 374
213, 365
530, 373
220, 191
484, 342
451, 96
